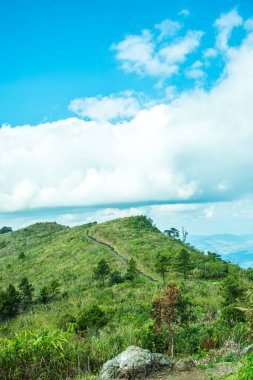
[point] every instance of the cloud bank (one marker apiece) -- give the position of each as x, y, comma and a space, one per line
195, 149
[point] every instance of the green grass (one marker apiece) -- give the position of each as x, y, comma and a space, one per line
54, 252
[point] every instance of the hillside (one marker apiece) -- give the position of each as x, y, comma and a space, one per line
99, 321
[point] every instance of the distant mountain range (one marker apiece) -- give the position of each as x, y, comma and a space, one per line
235, 248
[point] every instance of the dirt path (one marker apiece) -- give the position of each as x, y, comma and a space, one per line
122, 258
219, 370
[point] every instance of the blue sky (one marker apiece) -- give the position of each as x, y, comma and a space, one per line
54, 51
126, 107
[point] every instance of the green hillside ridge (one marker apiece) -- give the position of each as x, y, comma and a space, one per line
120, 314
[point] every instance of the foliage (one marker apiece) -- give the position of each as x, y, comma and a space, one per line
102, 271
153, 339
61, 261
246, 372
231, 288
115, 277
44, 295
172, 232
26, 293
9, 302
164, 312
5, 230
183, 263
41, 355
162, 265
131, 272
91, 317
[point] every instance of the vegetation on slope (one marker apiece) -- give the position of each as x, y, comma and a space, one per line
77, 301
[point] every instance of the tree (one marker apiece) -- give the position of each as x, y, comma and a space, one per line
162, 265
172, 232
5, 229
26, 293
183, 264
131, 272
164, 312
102, 271
232, 290
9, 302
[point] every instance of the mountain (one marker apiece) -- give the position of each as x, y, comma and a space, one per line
235, 248
76, 320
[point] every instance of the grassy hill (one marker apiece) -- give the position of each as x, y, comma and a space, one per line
47, 253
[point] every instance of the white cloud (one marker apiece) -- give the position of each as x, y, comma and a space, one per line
210, 53
196, 72
198, 148
248, 25
184, 12
168, 28
107, 108
146, 55
225, 25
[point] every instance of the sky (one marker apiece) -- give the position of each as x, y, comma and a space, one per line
119, 108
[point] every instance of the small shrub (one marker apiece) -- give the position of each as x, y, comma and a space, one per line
91, 317
153, 340
21, 256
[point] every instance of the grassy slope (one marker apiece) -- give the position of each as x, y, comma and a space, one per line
132, 239
65, 254
62, 253
142, 243
52, 252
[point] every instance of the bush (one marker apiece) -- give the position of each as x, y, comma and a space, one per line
191, 339
153, 340
91, 317
42, 355
115, 277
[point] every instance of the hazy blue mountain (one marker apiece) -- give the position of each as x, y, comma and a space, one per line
235, 248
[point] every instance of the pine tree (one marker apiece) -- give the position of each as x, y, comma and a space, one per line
183, 263
9, 302
131, 272
26, 293
102, 271
162, 265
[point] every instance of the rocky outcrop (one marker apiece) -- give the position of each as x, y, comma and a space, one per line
133, 362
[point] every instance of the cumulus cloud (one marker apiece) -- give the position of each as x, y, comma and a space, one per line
107, 108
196, 72
225, 25
168, 28
146, 54
196, 149
184, 12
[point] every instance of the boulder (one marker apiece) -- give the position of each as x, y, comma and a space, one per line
184, 365
133, 362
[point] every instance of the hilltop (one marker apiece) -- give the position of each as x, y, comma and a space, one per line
98, 321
